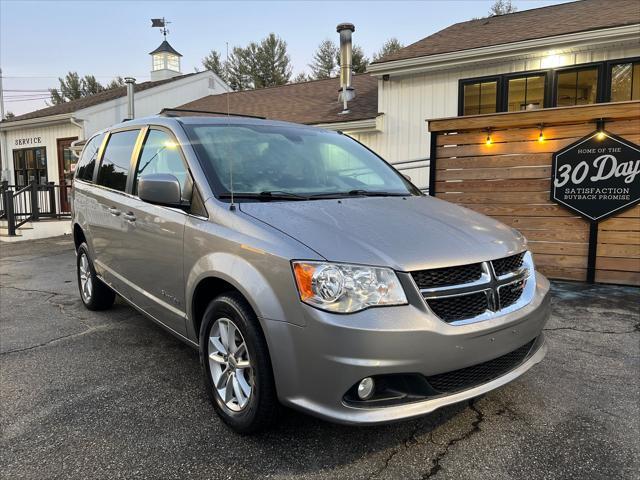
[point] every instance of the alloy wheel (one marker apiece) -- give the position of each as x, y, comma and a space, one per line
230, 365
86, 282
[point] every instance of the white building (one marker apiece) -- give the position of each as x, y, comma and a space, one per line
35, 146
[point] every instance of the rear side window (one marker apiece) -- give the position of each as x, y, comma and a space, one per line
87, 163
116, 159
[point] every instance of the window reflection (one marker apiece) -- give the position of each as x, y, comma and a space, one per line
480, 98
625, 82
526, 93
577, 87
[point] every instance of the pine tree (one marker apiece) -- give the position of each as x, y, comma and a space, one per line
115, 83
301, 77
214, 62
90, 86
270, 63
359, 62
70, 89
238, 77
390, 46
324, 60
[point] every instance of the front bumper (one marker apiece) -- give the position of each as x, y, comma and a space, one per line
316, 365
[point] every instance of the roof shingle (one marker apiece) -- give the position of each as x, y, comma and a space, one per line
531, 24
310, 102
91, 100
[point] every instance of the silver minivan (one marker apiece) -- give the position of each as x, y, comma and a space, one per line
307, 271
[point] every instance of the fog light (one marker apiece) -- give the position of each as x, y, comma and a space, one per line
366, 388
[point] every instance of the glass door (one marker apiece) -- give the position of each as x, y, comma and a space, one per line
30, 164
66, 167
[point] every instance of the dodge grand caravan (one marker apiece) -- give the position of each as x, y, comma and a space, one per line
306, 270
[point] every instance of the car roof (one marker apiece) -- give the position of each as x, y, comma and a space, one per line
205, 120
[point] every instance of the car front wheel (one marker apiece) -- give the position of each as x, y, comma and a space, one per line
236, 365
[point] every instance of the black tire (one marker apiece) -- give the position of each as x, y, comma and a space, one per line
101, 297
262, 407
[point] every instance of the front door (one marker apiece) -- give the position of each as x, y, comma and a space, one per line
66, 166
153, 257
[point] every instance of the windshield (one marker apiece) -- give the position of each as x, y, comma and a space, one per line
295, 163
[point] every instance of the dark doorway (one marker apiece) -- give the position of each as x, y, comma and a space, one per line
66, 166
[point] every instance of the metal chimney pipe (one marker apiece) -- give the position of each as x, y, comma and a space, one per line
130, 81
347, 92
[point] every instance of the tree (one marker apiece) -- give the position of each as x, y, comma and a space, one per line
269, 61
214, 62
259, 65
390, 46
502, 7
90, 86
301, 77
238, 77
324, 60
115, 83
358, 61
70, 89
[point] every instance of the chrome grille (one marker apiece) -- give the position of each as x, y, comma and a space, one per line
469, 293
510, 293
504, 266
443, 277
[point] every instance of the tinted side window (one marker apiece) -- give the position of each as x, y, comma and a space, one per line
161, 154
114, 168
87, 163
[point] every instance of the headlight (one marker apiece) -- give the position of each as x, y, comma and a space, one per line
343, 288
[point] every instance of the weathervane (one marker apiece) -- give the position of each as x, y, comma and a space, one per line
162, 24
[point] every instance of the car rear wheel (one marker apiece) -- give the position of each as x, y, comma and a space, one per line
236, 365
95, 294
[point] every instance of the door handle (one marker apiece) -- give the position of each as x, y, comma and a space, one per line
130, 217
114, 211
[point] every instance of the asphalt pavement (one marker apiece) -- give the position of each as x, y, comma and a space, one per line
111, 395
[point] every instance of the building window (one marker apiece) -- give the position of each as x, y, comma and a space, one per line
625, 82
577, 87
480, 97
525, 93
30, 164
173, 63
158, 62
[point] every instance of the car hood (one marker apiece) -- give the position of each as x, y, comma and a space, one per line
406, 234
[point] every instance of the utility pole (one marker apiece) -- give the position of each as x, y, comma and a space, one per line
1, 98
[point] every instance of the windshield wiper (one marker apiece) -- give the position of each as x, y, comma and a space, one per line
359, 193
266, 196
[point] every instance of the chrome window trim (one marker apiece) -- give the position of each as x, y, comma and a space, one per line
492, 285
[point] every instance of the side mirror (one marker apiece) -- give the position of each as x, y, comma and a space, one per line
160, 189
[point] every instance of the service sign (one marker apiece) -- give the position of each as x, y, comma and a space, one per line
597, 176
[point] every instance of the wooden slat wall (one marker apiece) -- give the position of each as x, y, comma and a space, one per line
510, 181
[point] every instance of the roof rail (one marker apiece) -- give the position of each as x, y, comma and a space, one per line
180, 112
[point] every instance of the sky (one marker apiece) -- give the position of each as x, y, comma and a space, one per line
41, 41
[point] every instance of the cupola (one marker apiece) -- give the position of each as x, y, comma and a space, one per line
165, 62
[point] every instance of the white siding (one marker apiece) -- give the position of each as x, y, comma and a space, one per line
48, 139
150, 102
408, 101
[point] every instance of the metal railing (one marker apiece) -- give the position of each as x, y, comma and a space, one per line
33, 202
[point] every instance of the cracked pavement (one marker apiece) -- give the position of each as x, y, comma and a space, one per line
111, 395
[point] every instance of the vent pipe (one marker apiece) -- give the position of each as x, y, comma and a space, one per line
130, 81
347, 92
